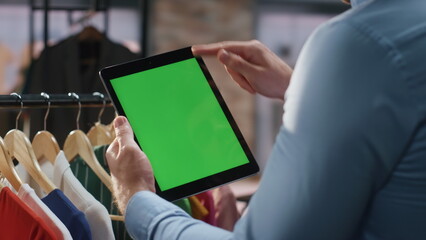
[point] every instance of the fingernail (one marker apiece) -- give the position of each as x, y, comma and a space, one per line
223, 56
119, 121
225, 53
196, 48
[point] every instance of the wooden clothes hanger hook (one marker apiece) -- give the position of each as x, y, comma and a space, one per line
103, 104
20, 110
44, 143
99, 134
47, 97
74, 95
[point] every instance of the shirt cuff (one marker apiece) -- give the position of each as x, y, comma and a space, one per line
145, 210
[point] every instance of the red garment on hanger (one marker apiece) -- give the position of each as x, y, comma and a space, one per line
18, 221
206, 198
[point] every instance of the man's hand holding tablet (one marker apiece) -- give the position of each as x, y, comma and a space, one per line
180, 121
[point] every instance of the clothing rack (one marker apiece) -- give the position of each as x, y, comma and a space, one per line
56, 101
95, 5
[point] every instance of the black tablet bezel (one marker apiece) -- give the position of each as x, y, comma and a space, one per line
203, 184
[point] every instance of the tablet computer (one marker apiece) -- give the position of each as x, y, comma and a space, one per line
181, 121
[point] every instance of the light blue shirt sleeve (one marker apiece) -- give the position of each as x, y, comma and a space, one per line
150, 217
349, 117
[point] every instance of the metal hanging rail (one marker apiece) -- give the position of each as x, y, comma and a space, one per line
56, 101
46, 7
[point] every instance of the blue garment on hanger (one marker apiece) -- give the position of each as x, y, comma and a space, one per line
70, 216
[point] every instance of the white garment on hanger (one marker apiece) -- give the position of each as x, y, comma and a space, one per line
25, 177
96, 214
28, 196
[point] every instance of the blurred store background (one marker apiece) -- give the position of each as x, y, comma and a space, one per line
149, 27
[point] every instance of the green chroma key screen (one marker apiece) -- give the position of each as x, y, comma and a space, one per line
179, 123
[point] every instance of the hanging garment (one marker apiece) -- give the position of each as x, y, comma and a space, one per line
198, 210
45, 166
206, 198
94, 185
96, 213
58, 203
72, 218
28, 196
18, 221
64, 68
184, 204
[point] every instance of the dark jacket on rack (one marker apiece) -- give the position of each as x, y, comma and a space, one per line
72, 66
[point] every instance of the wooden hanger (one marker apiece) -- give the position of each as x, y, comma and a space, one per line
99, 133
90, 33
77, 144
7, 168
45, 146
44, 143
19, 147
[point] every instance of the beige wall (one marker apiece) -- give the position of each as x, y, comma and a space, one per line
181, 23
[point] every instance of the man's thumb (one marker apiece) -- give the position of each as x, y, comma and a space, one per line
122, 128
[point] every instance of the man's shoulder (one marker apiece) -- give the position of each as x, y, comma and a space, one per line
390, 19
